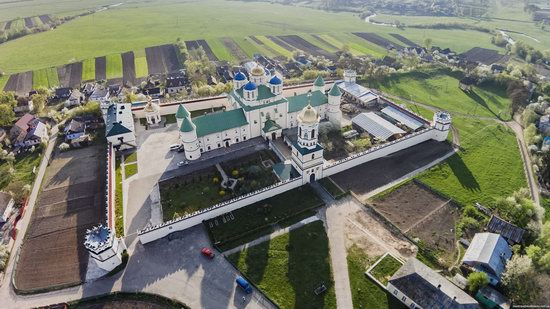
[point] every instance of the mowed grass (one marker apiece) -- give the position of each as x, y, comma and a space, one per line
276, 47
489, 167
22, 169
220, 51
45, 78
88, 69
385, 269
200, 20
290, 267
114, 66
440, 88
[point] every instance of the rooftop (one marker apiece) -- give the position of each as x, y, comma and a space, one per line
376, 125
298, 102
489, 249
219, 121
403, 117
506, 229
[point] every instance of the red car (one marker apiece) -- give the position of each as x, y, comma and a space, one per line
208, 253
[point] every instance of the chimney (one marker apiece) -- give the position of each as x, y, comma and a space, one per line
439, 286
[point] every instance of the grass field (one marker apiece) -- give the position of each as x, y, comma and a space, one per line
247, 46
85, 37
490, 166
14, 9
3, 81
88, 69
276, 47
114, 66
319, 44
22, 169
141, 67
130, 170
45, 78
440, 88
220, 51
289, 267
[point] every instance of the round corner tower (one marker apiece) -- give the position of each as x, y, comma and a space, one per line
104, 247
442, 124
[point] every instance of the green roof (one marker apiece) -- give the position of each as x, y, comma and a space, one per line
271, 125
220, 121
284, 171
335, 91
319, 81
117, 129
263, 92
182, 112
305, 151
186, 125
298, 102
249, 108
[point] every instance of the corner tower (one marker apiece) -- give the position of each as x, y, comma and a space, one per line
189, 139
104, 247
334, 114
442, 124
319, 84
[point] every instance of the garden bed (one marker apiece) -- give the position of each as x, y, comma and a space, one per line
385, 268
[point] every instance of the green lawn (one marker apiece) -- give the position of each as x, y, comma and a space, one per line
257, 219
114, 66
22, 169
119, 211
364, 292
3, 81
130, 170
385, 269
545, 203
290, 267
440, 88
45, 78
220, 51
131, 158
88, 69
207, 19
488, 168
331, 187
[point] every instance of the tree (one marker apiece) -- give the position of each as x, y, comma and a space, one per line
39, 102
428, 44
18, 190
8, 98
518, 279
4, 254
7, 115
476, 281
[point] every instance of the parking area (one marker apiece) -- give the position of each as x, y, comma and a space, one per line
52, 254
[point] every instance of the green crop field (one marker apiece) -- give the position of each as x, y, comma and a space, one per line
276, 47
14, 9
247, 46
141, 67
220, 51
88, 69
45, 78
489, 167
114, 66
86, 37
289, 267
3, 81
318, 43
440, 88
340, 43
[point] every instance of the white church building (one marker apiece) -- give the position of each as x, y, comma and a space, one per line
257, 107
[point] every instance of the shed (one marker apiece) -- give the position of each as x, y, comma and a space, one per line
376, 126
510, 232
491, 298
405, 118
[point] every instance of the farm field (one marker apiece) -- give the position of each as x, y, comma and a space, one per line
290, 267
45, 78
220, 51
199, 20
3, 81
88, 69
15, 9
490, 166
141, 63
114, 66
440, 88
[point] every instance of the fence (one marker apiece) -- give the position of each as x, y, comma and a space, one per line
179, 224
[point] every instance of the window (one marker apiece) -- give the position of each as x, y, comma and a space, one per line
403, 299
208, 147
244, 138
413, 306
313, 133
219, 145
237, 139
395, 292
201, 150
312, 156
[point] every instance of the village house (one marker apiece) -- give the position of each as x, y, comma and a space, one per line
544, 125
75, 129
467, 83
175, 84
418, 286
88, 88
6, 207
119, 125
507, 230
492, 299
488, 253
62, 93
100, 94
20, 129
24, 105
75, 99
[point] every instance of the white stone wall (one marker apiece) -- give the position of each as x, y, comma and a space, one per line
379, 151
150, 234
217, 140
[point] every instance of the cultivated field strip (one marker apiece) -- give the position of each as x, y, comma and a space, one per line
202, 43
483, 55
377, 39
29, 23
128, 68
101, 68
70, 75
404, 40
162, 59
320, 39
20, 83
303, 45
45, 19
270, 52
234, 49
7, 25
281, 43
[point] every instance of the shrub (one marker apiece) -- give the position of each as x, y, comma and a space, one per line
476, 281
222, 193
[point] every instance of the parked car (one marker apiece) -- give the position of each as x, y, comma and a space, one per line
174, 147
208, 253
182, 163
244, 285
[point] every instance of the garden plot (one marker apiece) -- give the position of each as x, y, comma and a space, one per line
234, 49
70, 75
29, 23
128, 69
484, 55
305, 46
202, 43
281, 43
7, 25
325, 42
420, 213
45, 78
377, 39
11, 84
270, 52
45, 19
101, 68
20, 83
404, 40
52, 254
162, 59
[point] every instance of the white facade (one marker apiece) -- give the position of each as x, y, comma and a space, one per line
119, 123
442, 125
104, 247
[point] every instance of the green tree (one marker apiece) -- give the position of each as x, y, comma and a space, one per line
476, 281
8, 98
7, 115
428, 43
518, 279
39, 102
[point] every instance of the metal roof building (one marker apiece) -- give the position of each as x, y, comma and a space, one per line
510, 232
376, 125
357, 91
402, 117
488, 253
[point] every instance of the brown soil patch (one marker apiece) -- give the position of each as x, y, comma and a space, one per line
234, 49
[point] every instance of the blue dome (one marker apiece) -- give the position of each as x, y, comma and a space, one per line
250, 86
240, 76
275, 80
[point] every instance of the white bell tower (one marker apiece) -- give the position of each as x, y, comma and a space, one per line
442, 125
334, 114
350, 76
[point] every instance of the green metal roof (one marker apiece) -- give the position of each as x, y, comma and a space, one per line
220, 121
298, 102
270, 125
263, 92
186, 125
117, 129
335, 91
249, 108
305, 151
319, 81
182, 112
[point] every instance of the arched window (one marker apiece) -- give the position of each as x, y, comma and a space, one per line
300, 129
312, 156
313, 133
